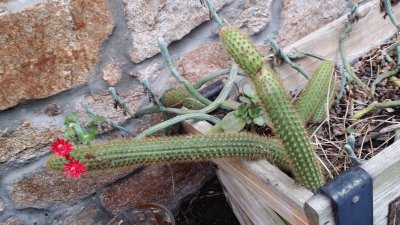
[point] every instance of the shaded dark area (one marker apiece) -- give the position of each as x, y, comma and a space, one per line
208, 207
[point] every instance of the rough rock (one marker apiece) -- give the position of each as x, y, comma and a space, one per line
165, 184
49, 47
104, 104
252, 17
51, 187
206, 59
303, 17
26, 142
112, 73
150, 19
85, 216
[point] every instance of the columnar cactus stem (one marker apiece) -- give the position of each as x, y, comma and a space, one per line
119, 153
327, 102
315, 91
287, 124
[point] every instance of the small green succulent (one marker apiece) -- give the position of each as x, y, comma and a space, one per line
248, 112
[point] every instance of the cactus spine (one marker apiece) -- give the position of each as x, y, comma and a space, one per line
286, 122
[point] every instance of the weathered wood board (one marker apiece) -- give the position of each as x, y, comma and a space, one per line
279, 192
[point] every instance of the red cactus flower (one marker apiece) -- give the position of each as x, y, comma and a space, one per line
74, 169
61, 147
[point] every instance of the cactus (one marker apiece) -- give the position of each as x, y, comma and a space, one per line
311, 96
119, 153
179, 96
287, 124
242, 50
327, 102
292, 150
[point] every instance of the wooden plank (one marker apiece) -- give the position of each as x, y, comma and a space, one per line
237, 208
252, 205
274, 189
370, 31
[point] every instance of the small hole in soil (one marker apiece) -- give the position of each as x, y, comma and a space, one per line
208, 207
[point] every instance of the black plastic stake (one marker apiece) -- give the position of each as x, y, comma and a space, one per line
352, 197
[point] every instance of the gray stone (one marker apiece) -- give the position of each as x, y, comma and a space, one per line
252, 17
201, 61
303, 17
26, 142
112, 73
170, 19
103, 104
49, 47
86, 216
51, 187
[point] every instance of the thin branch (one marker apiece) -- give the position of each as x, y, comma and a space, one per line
153, 98
376, 105
284, 56
175, 120
349, 150
93, 113
390, 13
119, 100
189, 87
343, 81
213, 106
214, 14
352, 18
301, 55
383, 76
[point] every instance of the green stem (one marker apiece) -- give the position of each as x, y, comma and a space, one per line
211, 76
175, 120
189, 87
352, 18
349, 150
304, 54
282, 54
390, 13
174, 72
376, 105
91, 112
214, 14
119, 100
383, 76
213, 106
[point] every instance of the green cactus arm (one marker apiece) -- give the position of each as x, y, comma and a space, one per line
327, 102
289, 128
119, 153
179, 96
242, 50
314, 93
287, 124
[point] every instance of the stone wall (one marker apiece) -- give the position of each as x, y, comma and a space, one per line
55, 54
